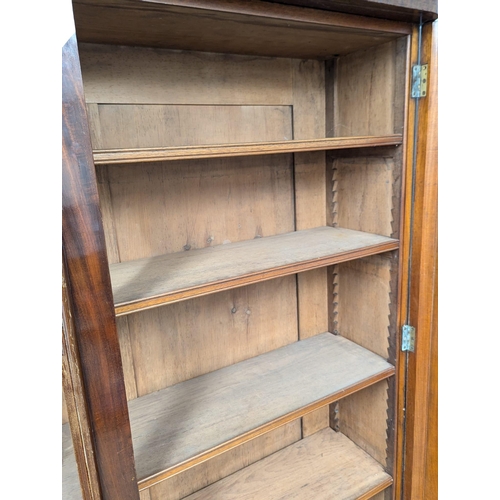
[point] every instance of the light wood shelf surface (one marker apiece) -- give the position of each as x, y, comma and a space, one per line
323, 466
151, 282
141, 155
188, 423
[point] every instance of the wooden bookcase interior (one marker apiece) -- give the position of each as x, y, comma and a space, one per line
250, 169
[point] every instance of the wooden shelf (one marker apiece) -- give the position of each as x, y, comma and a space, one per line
141, 155
151, 282
190, 422
323, 466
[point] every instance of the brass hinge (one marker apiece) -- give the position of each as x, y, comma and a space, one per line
419, 81
408, 338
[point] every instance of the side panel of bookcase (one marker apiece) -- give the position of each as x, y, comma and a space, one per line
90, 298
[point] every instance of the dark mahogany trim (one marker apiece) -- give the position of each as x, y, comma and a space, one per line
76, 404
396, 10
91, 296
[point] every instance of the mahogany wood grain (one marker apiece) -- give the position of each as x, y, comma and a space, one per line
77, 412
221, 151
146, 283
323, 466
423, 284
431, 474
239, 27
91, 296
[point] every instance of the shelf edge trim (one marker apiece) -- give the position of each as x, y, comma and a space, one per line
124, 308
144, 155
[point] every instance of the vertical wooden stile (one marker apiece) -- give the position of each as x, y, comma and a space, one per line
77, 409
423, 279
91, 297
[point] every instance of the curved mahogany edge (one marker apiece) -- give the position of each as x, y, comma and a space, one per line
263, 429
276, 272
90, 294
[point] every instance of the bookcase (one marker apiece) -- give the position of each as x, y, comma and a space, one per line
243, 239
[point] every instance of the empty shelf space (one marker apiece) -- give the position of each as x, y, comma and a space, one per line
140, 155
324, 466
151, 282
187, 423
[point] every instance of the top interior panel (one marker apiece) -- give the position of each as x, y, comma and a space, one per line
250, 27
